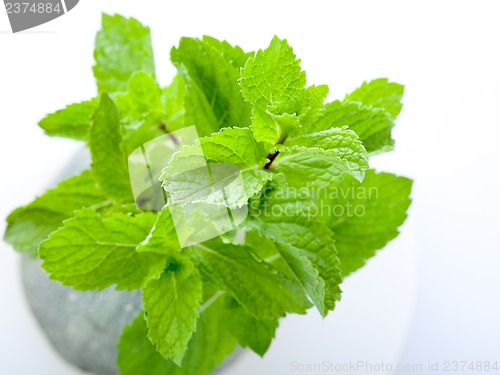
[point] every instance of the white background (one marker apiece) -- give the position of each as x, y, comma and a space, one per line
432, 294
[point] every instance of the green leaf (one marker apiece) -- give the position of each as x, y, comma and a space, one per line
292, 263
213, 98
141, 111
372, 125
263, 292
231, 152
171, 304
369, 111
89, 252
163, 238
274, 83
257, 334
122, 47
173, 101
315, 167
109, 161
234, 146
306, 275
234, 55
142, 98
265, 127
28, 225
372, 212
380, 94
273, 78
238, 147
265, 248
312, 238
147, 111
208, 347
343, 143
211, 343
70, 122
343, 140
137, 356
310, 103
217, 184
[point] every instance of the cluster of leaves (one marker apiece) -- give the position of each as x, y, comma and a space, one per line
252, 110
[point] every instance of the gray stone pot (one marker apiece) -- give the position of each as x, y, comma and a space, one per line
84, 327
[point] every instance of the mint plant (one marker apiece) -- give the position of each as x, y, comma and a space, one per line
316, 211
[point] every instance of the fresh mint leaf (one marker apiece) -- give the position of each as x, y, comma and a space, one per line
142, 113
369, 111
275, 84
234, 146
343, 143
137, 356
122, 47
234, 55
208, 347
70, 122
380, 94
310, 104
211, 343
235, 269
148, 111
273, 78
314, 167
256, 334
90, 252
373, 211
231, 152
216, 184
109, 161
213, 98
28, 225
312, 238
143, 97
265, 248
171, 303
163, 238
372, 125
292, 263
306, 275
273, 81
265, 126
172, 98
